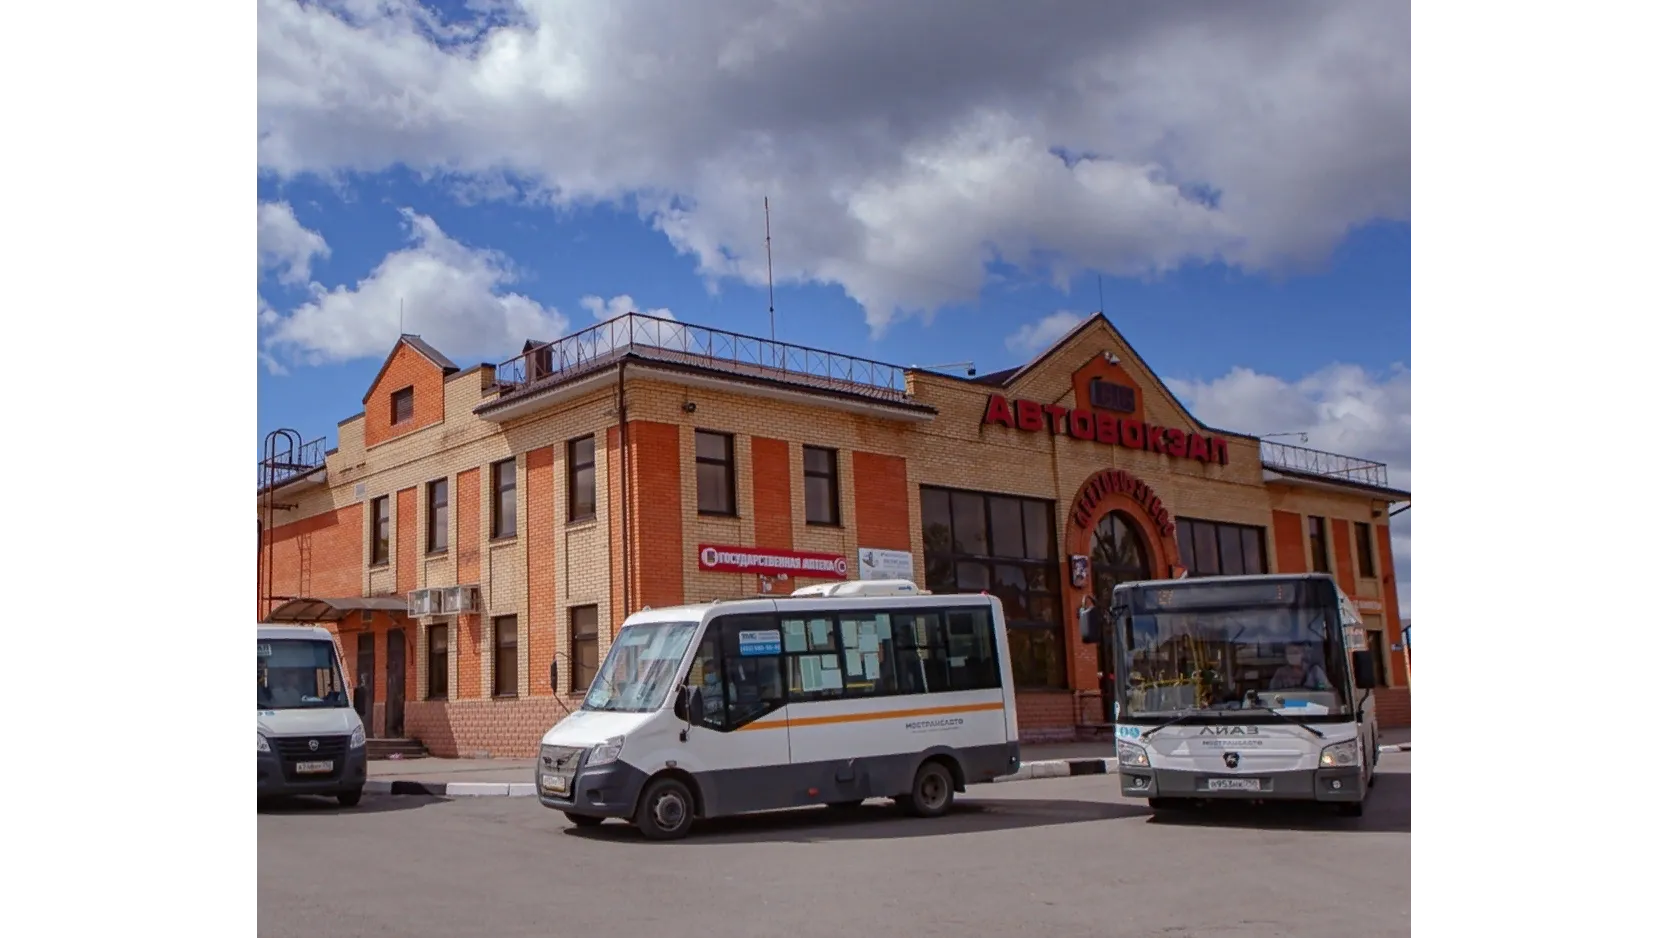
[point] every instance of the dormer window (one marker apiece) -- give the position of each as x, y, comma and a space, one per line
400, 405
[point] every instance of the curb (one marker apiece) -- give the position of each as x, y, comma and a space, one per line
1047, 768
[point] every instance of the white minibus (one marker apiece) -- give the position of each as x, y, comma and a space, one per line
828, 697
309, 739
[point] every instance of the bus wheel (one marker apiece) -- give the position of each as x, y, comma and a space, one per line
349, 798
1166, 804
1352, 808
666, 811
581, 820
934, 791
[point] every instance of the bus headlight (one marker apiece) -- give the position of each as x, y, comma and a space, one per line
1132, 755
261, 744
606, 751
357, 739
1340, 754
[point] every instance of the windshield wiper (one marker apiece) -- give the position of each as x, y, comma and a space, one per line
1284, 716
1187, 714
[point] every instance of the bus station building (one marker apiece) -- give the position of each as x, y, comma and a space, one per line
473, 525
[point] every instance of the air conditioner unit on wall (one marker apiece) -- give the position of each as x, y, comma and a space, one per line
460, 600
424, 602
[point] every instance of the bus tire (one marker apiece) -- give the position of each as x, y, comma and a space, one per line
1352, 808
666, 810
933, 792
350, 798
581, 820
1166, 804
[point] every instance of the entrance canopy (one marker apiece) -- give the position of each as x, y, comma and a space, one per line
333, 610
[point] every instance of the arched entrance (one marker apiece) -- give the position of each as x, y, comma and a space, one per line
1118, 554
1121, 530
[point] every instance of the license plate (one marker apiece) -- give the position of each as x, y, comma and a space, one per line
1233, 784
311, 767
556, 783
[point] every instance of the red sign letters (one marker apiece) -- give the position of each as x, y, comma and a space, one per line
764, 560
1104, 427
1117, 481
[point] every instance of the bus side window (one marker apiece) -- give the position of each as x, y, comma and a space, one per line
752, 667
866, 654
972, 650
918, 642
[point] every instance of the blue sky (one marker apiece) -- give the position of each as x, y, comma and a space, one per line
948, 182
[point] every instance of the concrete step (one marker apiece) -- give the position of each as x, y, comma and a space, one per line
394, 749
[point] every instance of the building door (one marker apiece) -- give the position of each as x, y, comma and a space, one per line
1118, 555
395, 683
364, 678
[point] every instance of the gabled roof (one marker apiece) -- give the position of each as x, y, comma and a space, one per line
1009, 376
446, 365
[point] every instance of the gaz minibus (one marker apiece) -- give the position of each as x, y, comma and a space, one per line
830, 696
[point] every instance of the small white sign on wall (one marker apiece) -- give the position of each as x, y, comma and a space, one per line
873, 564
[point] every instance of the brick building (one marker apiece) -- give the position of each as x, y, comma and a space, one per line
526, 507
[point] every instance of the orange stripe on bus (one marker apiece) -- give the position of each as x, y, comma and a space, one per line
866, 717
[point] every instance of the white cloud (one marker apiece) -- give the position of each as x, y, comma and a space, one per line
1342, 409
1255, 134
453, 295
619, 306
1033, 337
284, 245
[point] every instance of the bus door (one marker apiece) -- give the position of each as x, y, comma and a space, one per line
739, 729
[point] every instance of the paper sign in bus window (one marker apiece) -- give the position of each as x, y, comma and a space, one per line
762, 642
796, 636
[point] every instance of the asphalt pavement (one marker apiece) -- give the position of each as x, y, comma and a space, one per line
1065, 856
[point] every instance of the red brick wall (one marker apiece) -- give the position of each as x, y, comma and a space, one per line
407, 367
773, 499
405, 541
539, 627
1395, 707
880, 487
1291, 549
472, 728
318, 556
1046, 716
1343, 554
1392, 606
656, 515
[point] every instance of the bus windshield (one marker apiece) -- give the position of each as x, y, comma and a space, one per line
297, 674
641, 668
1288, 658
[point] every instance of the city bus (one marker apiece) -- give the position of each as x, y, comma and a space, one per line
1255, 688
868, 689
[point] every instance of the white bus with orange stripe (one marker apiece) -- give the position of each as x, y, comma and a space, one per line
832, 696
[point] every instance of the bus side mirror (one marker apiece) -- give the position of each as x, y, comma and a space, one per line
680, 706
1365, 667
1090, 623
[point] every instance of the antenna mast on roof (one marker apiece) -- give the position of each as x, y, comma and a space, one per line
770, 272
1102, 291
402, 315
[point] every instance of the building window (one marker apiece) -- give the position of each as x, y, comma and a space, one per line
582, 648
715, 473
1212, 548
822, 486
582, 479
437, 661
503, 498
504, 660
1004, 545
1375, 641
1364, 550
401, 405
439, 515
1317, 546
379, 531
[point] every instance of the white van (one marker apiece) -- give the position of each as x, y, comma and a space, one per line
309, 740
872, 689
